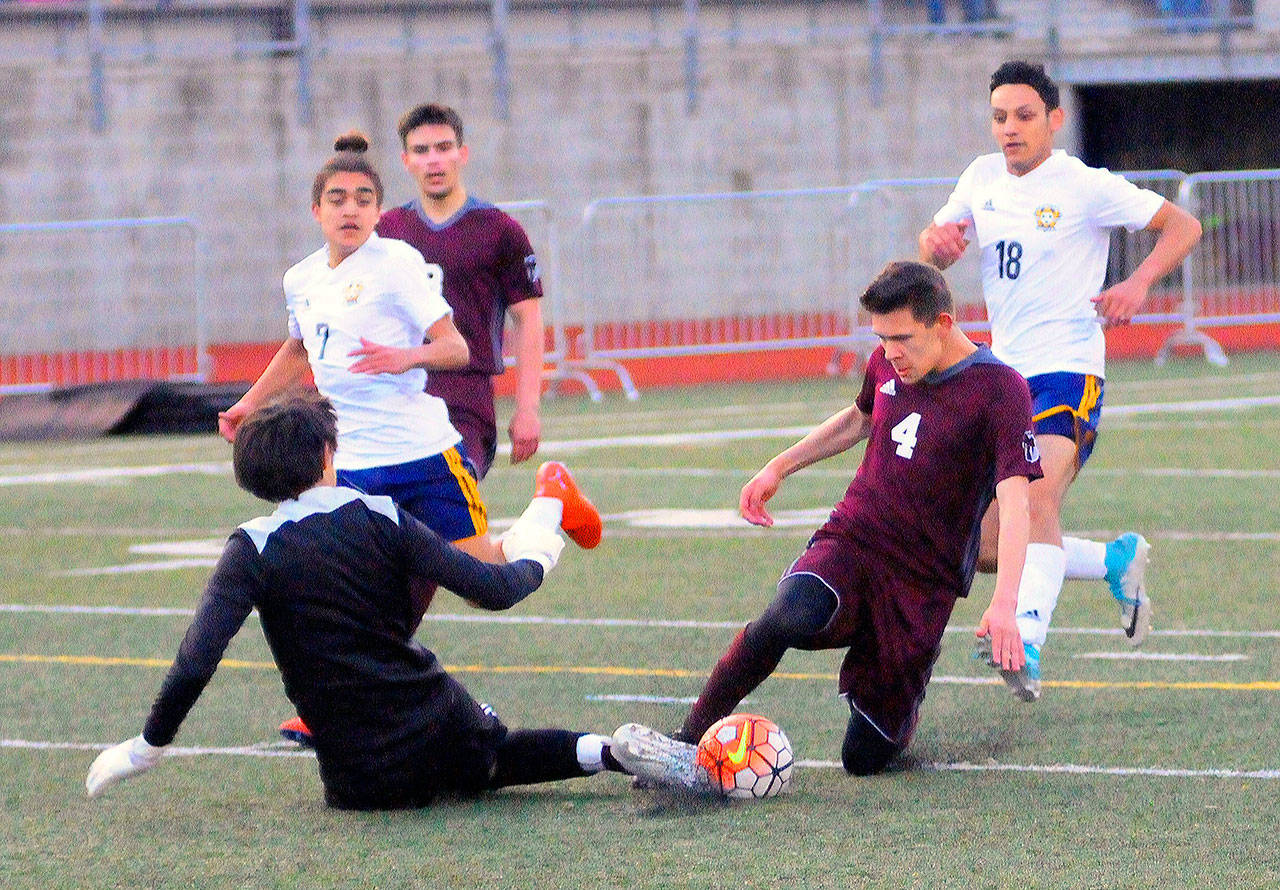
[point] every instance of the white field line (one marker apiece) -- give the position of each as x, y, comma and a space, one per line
725, 522
1072, 769
662, 440
277, 750
1161, 656
558, 621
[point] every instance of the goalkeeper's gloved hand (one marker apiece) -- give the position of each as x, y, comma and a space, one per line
528, 540
121, 761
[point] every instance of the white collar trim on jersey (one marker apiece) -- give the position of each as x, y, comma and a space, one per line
321, 499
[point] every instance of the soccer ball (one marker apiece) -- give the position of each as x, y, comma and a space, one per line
745, 756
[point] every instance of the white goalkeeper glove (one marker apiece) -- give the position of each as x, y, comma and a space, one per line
121, 761
528, 540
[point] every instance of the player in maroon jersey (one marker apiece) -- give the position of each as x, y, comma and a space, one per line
948, 426
489, 270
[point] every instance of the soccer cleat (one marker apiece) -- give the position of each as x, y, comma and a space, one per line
1126, 563
1024, 683
295, 730
656, 759
580, 520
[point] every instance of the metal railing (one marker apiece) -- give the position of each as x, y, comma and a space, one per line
147, 319
642, 277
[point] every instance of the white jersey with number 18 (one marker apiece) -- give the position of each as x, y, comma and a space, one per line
1043, 238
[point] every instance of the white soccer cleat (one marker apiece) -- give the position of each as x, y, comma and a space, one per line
656, 759
1126, 562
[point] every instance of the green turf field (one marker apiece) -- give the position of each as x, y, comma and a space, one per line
1152, 772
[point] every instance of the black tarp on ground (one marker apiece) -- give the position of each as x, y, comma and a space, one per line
100, 409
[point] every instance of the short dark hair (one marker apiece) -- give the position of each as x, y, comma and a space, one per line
1031, 74
280, 448
431, 113
916, 286
350, 150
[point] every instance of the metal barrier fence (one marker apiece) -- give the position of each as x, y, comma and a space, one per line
146, 319
671, 275
1233, 277
685, 275
644, 277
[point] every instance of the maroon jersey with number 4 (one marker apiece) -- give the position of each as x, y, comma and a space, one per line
488, 264
936, 450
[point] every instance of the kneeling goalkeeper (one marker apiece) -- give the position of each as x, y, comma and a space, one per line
330, 573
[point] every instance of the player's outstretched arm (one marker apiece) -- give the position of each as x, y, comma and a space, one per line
120, 762
838, 433
285, 369
942, 245
998, 621
1179, 234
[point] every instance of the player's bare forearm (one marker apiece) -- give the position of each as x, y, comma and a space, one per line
525, 428
999, 621
1179, 233
837, 434
285, 369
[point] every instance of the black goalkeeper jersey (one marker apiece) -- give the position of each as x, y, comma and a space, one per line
330, 575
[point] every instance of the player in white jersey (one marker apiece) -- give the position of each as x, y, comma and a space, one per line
1042, 221
368, 317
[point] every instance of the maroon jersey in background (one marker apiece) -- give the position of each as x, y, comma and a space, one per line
488, 264
936, 450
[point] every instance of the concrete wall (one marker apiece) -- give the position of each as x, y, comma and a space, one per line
220, 141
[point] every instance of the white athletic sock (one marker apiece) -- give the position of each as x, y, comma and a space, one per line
546, 512
1038, 593
591, 751
1085, 559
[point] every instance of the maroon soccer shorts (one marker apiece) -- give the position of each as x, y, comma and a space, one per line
891, 622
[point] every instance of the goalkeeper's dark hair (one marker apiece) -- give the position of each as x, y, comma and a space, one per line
350, 149
1031, 74
908, 284
280, 448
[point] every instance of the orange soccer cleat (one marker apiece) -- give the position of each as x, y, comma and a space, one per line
580, 520
295, 730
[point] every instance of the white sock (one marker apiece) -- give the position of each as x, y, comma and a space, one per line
1038, 593
1085, 559
591, 751
546, 512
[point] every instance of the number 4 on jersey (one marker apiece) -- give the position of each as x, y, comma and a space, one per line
905, 434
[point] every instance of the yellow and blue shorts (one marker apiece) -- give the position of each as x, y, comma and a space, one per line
1067, 404
439, 490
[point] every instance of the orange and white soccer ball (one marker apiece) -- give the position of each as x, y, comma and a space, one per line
746, 756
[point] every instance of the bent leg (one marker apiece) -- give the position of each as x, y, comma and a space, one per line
803, 606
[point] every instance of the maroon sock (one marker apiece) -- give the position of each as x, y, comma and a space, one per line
740, 670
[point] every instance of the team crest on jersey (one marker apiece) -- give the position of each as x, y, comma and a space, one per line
531, 268
1047, 217
352, 292
1030, 450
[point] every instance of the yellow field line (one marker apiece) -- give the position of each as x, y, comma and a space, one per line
618, 671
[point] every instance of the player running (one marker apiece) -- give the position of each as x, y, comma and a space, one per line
1042, 220
367, 317
332, 573
490, 271
947, 427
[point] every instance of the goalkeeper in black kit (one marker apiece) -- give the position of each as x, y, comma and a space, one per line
332, 573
